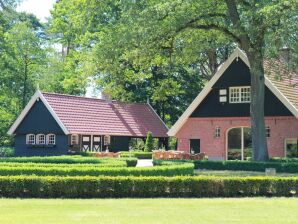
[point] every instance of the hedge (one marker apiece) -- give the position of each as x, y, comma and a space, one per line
183, 169
281, 167
247, 166
138, 155
284, 159
68, 160
145, 187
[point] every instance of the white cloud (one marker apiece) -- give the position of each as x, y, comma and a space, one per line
40, 8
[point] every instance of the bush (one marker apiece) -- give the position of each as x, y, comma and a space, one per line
131, 162
149, 144
6, 152
182, 169
138, 155
59, 159
145, 187
247, 166
284, 159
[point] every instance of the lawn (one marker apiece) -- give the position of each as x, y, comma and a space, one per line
130, 211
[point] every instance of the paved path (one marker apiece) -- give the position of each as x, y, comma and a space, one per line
144, 163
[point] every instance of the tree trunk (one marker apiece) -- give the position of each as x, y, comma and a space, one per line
25, 84
259, 141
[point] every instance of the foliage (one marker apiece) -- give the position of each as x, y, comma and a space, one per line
6, 152
136, 154
136, 144
178, 170
145, 187
149, 144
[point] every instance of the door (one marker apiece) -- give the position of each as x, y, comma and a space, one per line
86, 142
194, 146
96, 143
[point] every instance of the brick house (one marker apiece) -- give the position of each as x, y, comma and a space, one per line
218, 122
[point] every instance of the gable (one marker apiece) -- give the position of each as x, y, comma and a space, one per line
236, 55
237, 74
38, 120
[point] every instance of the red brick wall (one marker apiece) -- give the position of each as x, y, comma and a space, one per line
215, 148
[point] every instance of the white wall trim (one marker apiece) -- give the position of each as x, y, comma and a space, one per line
38, 95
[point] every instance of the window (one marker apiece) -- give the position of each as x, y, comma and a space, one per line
107, 140
267, 131
217, 132
30, 139
291, 147
40, 139
222, 95
74, 139
51, 139
240, 94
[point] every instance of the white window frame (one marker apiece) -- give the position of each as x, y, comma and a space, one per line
51, 141
28, 141
217, 132
239, 99
38, 140
74, 139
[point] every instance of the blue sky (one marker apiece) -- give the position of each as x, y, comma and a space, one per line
40, 8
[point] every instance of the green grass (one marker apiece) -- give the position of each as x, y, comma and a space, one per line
130, 211
227, 173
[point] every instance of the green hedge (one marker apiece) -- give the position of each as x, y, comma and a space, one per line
247, 166
138, 155
68, 160
145, 187
284, 159
183, 169
281, 167
116, 163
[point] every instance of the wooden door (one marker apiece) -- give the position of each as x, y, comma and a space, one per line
96, 146
194, 146
86, 142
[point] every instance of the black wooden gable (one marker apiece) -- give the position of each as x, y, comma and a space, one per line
236, 75
39, 120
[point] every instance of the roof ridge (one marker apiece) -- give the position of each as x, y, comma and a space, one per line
92, 98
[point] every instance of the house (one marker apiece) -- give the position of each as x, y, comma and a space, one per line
54, 124
218, 121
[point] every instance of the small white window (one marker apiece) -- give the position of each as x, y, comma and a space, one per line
240, 94
74, 139
222, 92
217, 132
30, 139
268, 132
51, 139
222, 99
40, 139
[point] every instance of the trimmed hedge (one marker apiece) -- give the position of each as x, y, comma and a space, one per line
138, 155
145, 187
183, 169
116, 163
247, 166
281, 167
284, 159
130, 162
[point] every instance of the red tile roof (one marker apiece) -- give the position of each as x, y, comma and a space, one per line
95, 116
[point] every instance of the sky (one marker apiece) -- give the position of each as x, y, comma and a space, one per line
40, 8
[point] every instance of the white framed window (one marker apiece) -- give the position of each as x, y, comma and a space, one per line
217, 132
240, 94
40, 139
222, 95
74, 139
268, 132
107, 140
51, 139
30, 139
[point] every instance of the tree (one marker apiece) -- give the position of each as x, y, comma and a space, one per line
149, 144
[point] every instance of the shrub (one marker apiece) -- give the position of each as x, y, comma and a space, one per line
6, 152
138, 155
182, 169
145, 187
58, 159
149, 145
131, 162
